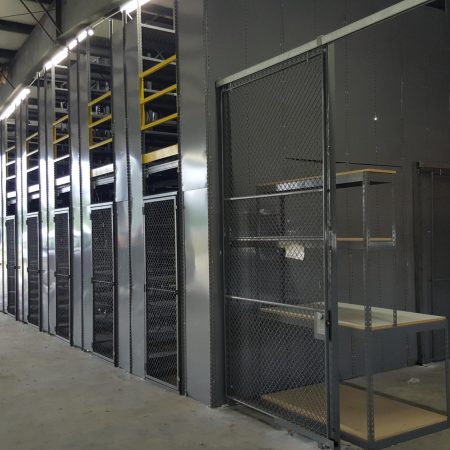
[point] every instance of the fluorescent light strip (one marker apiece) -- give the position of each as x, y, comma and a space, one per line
132, 5
23, 94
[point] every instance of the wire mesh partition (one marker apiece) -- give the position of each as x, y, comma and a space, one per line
62, 274
161, 290
276, 250
11, 265
103, 281
34, 292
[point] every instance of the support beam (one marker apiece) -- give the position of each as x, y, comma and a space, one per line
5, 53
15, 27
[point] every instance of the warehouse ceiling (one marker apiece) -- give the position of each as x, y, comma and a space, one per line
16, 23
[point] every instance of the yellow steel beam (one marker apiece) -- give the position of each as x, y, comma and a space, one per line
158, 94
156, 155
100, 144
158, 67
61, 120
100, 121
32, 136
62, 138
155, 123
13, 147
99, 99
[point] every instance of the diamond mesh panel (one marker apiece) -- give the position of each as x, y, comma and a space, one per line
62, 274
33, 271
11, 264
161, 294
274, 262
103, 281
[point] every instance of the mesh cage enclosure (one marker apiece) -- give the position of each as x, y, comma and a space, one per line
161, 290
274, 247
62, 274
34, 297
10, 226
103, 281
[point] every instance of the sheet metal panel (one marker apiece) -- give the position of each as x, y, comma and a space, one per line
19, 206
50, 117
43, 205
3, 301
122, 203
85, 194
136, 236
76, 115
23, 205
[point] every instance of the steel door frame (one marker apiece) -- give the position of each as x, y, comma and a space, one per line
39, 272
332, 439
172, 196
111, 207
62, 211
15, 266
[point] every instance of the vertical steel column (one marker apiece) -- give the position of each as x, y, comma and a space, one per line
123, 332
76, 271
22, 178
43, 190
3, 145
19, 208
50, 118
85, 194
133, 66
200, 316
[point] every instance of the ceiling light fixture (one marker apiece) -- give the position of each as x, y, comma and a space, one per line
21, 96
132, 5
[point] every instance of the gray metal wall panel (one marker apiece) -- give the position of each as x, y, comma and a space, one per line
198, 339
3, 146
43, 205
76, 115
136, 235
50, 117
19, 205
85, 174
22, 178
121, 197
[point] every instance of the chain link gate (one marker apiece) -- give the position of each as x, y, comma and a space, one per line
62, 274
276, 225
161, 290
11, 265
34, 286
103, 281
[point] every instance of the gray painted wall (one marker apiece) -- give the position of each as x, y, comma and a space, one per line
397, 72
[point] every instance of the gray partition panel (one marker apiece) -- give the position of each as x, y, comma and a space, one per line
122, 204
76, 115
136, 236
43, 188
50, 117
19, 206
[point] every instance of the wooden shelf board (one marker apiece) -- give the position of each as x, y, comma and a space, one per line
352, 316
392, 417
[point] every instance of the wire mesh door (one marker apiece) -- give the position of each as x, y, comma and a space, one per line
11, 265
276, 241
34, 292
161, 290
103, 281
62, 274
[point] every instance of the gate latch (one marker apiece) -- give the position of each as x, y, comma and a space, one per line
319, 325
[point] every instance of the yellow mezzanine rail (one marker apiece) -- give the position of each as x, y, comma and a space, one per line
58, 139
144, 100
93, 124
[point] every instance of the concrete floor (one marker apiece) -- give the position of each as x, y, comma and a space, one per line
53, 397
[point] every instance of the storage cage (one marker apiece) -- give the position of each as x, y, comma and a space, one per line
284, 314
63, 285
161, 293
33, 269
103, 281
11, 265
